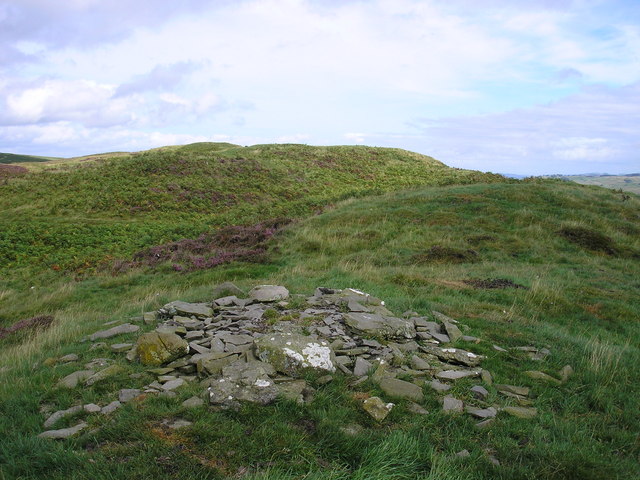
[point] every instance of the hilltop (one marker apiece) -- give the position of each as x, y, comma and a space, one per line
538, 274
627, 183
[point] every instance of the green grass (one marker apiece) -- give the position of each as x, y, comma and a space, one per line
16, 158
627, 183
582, 302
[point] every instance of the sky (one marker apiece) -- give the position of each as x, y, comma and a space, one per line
511, 86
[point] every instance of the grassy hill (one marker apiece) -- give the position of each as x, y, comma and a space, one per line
542, 262
627, 183
77, 217
16, 158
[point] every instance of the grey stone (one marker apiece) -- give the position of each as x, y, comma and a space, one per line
201, 310
463, 454
376, 408
193, 402
243, 382
486, 377
121, 347
481, 413
97, 346
361, 367
454, 355
98, 363
457, 374
173, 384
226, 301
439, 387
442, 317
441, 337
485, 423
479, 392
53, 418
112, 407
236, 339
269, 293
452, 330
72, 380
127, 394
112, 332
179, 423
213, 363
521, 391
91, 408
149, 318
417, 409
499, 349
452, 405
537, 375
401, 389
419, 363
293, 390
104, 374
380, 325
324, 380
72, 357
352, 429
64, 432
293, 354
521, 412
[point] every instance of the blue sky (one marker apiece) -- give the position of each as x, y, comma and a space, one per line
513, 86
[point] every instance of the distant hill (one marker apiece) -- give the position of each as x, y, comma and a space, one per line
628, 183
17, 158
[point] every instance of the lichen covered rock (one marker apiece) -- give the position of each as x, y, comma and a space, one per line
157, 348
293, 354
383, 326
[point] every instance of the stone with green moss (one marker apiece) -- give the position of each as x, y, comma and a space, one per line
293, 354
158, 348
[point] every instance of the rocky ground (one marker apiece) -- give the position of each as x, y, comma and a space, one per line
258, 346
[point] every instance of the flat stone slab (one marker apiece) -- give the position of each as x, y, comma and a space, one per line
537, 375
481, 413
452, 405
73, 379
293, 354
157, 348
64, 432
188, 309
454, 355
457, 374
374, 324
104, 374
376, 408
521, 391
112, 332
54, 417
401, 389
269, 293
521, 412
127, 394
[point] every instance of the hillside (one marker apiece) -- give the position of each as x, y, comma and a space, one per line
523, 266
627, 183
80, 216
9, 158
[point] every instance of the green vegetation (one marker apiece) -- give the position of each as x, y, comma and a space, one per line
14, 158
542, 262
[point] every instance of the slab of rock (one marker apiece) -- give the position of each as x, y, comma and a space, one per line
243, 382
72, 357
454, 355
418, 363
91, 408
380, 325
452, 330
112, 407
213, 363
293, 354
401, 389
520, 391
104, 374
54, 417
268, 293
479, 392
200, 310
361, 367
481, 413
193, 402
537, 375
521, 412
417, 409
121, 347
439, 387
457, 374
112, 332
173, 384
485, 423
378, 409
486, 377
452, 405
155, 348
73, 379
64, 432
296, 390
127, 394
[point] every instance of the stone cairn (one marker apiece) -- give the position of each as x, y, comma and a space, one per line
256, 347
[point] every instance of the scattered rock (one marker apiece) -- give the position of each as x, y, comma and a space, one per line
173, 384
112, 407
452, 405
537, 375
417, 409
463, 454
104, 374
53, 419
177, 423
521, 412
457, 374
72, 380
482, 413
91, 408
378, 409
401, 389
521, 391
112, 332
193, 402
439, 387
453, 332
499, 349
121, 347
377, 325
479, 392
565, 373
127, 394
485, 423
64, 432
187, 309
486, 377
72, 357
362, 367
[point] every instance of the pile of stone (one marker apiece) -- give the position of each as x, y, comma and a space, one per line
256, 347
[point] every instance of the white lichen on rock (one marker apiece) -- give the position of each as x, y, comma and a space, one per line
319, 356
